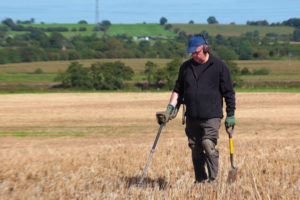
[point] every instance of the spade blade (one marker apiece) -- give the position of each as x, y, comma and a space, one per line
232, 174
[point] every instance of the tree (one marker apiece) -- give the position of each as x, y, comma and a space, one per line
167, 76
150, 71
295, 22
8, 22
245, 51
235, 73
296, 34
163, 21
29, 54
220, 40
191, 22
56, 40
173, 69
160, 77
82, 22
260, 53
204, 33
258, 23
40, 37
144, 46
212, 20
226, 53
76, 77
105, 24
110, 76
32, 20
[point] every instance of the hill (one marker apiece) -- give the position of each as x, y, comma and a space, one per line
158, 30
114, 29
231, 29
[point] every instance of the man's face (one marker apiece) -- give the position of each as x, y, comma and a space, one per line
199, 56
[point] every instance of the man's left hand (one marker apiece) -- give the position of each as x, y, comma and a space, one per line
230, 121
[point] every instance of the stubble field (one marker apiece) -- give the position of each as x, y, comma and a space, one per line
95, 146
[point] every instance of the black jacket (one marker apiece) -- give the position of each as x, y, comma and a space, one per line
203, 93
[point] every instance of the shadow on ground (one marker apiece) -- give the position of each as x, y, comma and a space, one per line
147, 183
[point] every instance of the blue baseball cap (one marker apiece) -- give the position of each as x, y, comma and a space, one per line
194, 43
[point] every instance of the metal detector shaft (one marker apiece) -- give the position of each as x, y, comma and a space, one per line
151, 153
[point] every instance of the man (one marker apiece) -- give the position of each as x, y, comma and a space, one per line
203, 81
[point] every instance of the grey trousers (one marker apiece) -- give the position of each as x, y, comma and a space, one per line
202, 139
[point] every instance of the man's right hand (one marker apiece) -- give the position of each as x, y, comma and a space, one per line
164, 116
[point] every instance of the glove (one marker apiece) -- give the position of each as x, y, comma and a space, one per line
165, 116
230, 121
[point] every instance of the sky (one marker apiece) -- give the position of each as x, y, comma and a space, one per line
150, 11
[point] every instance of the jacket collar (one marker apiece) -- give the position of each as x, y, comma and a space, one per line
207, 65
209, 61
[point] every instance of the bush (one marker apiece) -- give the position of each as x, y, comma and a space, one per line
38, 71
271, 34
168, 26
82, 29
245, 71
57, 29
261, 71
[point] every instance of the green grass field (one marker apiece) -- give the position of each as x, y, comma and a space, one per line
115, 29
26, 77
68, 34
158, 30
231, 30
139, 30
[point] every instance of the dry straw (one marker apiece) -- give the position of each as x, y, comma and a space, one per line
119, 130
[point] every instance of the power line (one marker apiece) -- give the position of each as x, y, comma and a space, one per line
97, 12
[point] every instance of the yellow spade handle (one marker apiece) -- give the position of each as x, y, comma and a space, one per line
230, 145
230, 132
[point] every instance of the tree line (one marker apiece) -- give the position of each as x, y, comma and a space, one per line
118, 76
99, 76
37, 45
293, 22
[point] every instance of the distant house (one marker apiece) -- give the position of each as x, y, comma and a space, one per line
158, 37
141, 38
63, 48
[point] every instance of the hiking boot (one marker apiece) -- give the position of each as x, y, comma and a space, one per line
200, 182
213, 181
